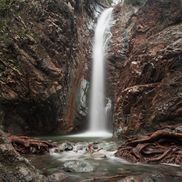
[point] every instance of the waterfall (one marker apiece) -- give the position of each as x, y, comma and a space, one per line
97, 117
98, 126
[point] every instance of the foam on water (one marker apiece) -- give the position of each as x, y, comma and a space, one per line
93, 134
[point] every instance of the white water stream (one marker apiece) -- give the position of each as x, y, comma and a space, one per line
98, 126
97, 118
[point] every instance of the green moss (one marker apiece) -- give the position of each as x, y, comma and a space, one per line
135, 2
5, 12
4, 7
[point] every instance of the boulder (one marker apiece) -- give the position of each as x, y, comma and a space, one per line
98, 156
79, 166
57, 177
64, 147
14, 167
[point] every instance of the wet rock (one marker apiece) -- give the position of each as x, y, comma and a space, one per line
108, 146
98, 156
64, 147
14, 167
78, 166
68, 147
57, 177
129, 179
146, 178
79, 147
179, 129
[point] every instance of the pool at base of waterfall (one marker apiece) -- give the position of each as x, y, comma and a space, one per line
93, 159
93, 134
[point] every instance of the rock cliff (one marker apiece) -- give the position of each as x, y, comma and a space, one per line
45, 53
45, 48
37, 42
45, 62
145, 66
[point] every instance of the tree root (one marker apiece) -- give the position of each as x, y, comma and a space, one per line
160, 146
158, 135
160, 157
27, 145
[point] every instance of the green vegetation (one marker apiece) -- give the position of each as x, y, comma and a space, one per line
4, 7
135, 2
4, 12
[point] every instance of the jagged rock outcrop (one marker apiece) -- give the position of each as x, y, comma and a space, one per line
37, 43
14, 167
45, 46
45, 56
145, 66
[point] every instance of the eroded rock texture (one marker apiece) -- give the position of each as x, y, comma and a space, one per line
37, 40
14, 167
145, 66
45, 55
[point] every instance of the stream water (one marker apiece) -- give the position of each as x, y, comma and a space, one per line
73, 158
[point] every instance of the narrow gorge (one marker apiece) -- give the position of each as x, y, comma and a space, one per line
90, 90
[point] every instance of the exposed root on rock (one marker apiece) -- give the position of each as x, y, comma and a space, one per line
27, 145
161, 146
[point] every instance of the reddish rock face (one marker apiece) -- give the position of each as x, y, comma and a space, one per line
45, 54
43, 46
37, 40
145, 66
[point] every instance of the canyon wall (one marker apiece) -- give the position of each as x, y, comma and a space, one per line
45, 65
145, 67
37, 47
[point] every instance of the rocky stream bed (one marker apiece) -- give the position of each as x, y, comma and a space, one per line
90, 159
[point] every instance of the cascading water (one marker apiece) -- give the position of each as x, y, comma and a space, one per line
108, 113
97, 120
98, 126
